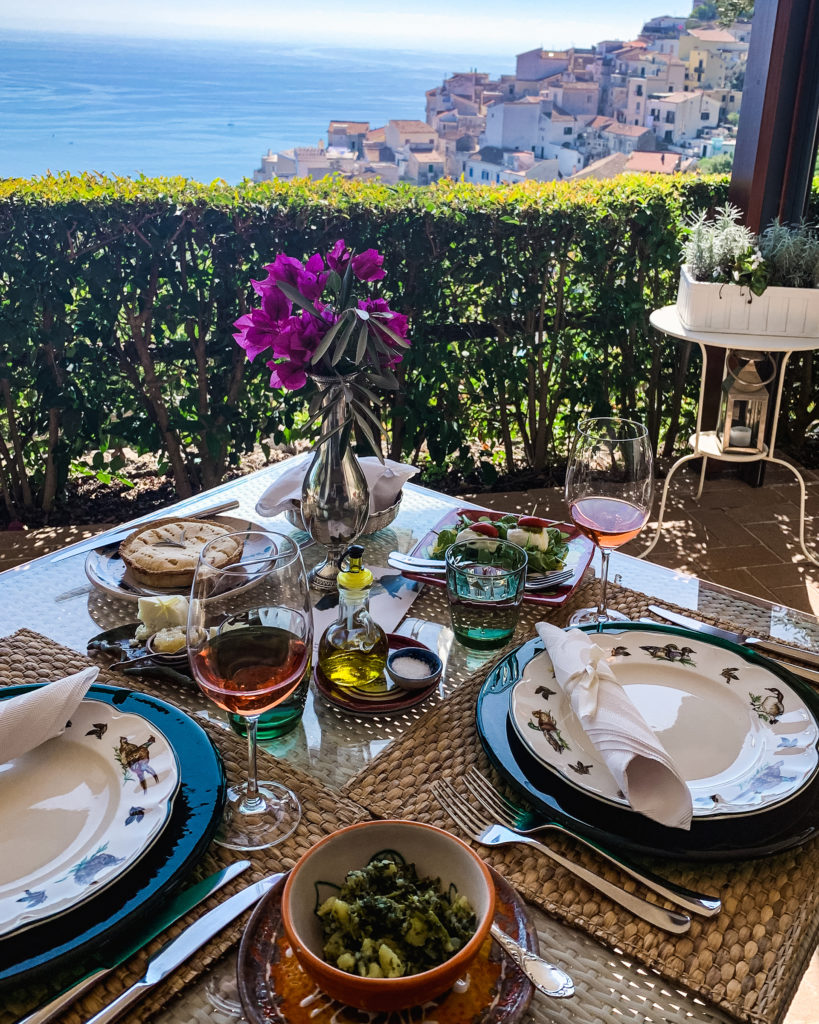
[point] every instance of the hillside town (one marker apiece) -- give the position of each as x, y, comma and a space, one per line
660, 103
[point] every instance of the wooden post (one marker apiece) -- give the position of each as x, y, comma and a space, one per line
777, 135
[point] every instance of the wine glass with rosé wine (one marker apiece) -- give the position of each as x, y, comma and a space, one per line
609, 487
250, 644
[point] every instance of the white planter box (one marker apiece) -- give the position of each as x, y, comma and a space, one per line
733, 309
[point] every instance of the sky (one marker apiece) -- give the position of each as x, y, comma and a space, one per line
459, 26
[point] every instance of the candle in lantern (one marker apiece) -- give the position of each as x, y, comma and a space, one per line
740, 437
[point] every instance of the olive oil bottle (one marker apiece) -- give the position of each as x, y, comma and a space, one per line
353, 650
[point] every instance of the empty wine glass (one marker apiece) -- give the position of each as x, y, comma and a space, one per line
250, 643
609, 487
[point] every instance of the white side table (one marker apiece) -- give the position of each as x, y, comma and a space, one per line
704, 442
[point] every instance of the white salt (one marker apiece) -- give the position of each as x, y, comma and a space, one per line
411, 667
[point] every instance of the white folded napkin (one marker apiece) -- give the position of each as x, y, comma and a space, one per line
384, 482
31, 718
630, 749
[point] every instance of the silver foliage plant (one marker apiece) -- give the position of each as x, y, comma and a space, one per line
723, 249
791, 254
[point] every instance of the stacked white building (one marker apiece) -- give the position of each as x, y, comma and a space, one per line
658, 103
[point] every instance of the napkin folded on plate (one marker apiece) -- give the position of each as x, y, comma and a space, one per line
384, 482
31, 718
630, 749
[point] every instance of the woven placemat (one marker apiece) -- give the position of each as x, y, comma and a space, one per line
27, 657
748, 960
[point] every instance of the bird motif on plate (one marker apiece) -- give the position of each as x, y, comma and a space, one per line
769, 708
671, 653
32, 898
545, 722
136, 758
620, 652
730, 675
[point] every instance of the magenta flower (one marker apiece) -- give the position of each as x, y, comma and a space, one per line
367, 265
339, 257
259, 328
308, 278
290, 334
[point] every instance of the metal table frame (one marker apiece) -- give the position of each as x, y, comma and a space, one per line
704, 442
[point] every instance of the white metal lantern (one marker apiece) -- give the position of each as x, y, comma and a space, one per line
743, 409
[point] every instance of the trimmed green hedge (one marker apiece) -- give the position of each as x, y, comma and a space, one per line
528, 307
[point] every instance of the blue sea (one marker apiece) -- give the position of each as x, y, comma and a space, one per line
202, 109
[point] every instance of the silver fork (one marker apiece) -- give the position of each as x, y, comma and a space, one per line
437, 567
489, 833
526, 823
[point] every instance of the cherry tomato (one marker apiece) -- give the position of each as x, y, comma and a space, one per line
485, 529
533, 523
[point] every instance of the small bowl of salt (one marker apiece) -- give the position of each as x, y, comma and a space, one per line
414, 668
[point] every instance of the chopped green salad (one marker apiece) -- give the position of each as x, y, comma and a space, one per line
386, 922
544, 544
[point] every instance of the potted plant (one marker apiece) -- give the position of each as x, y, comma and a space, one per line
735, 282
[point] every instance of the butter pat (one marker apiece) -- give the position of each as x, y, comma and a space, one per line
169, 640
157, 613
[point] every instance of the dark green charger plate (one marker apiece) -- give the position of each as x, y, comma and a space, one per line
96, 926
781, 827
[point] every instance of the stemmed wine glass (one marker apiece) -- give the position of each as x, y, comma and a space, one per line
609, 487
250, 644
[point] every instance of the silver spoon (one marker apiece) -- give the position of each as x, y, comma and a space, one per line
546, 977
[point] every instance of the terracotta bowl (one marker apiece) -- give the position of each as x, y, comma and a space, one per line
435, 853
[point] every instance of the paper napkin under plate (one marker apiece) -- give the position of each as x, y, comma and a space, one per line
630, 749
384, 482
31, 718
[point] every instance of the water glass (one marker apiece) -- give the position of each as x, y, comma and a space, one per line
485, 580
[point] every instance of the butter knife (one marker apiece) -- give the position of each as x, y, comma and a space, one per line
100, 540
165, 917
771, 647
174, 953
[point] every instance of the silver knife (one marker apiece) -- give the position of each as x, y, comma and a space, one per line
798, 654
100, 540
174, 953
164, 918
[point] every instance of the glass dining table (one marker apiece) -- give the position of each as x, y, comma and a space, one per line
736, 972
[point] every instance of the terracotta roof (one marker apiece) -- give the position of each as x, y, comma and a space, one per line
676, 97
559, 115
608, 167
654, 163
632, 130
600, 122
712, 35
356, 127
411, 126
376, 135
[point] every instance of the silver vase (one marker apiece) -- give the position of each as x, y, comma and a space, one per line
335, 500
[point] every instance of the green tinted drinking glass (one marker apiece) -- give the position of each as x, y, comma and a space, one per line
485, 580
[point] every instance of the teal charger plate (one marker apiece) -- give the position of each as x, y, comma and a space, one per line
781, 827
114, 914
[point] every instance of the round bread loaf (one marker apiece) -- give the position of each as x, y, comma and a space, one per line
165, 553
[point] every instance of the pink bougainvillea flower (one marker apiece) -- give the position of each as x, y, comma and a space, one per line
338, 257
367, 265
287, 375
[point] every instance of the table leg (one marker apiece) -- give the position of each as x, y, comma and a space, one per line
671, 472
799, 477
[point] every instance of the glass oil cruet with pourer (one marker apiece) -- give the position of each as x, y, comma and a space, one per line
353, 650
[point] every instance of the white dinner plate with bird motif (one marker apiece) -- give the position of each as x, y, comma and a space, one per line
740, 736
79, 810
